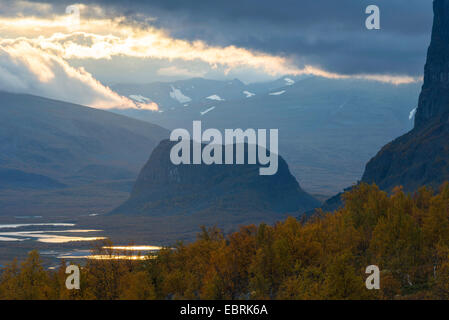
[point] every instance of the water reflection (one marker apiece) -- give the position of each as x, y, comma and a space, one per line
59, 233
112, 253
106, 257
46, 236
21, 225
118, 257
11, 239
134, 248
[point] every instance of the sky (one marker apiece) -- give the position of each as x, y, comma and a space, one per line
45, 49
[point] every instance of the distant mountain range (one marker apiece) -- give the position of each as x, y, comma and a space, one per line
198, 91
53, 145
328, 128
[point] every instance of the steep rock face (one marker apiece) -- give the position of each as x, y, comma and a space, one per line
163, 188
421, 157
434, 98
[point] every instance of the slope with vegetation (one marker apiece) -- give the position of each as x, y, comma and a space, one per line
325, 257
56, 156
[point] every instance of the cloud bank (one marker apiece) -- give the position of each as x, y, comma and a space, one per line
107, 38
328, 34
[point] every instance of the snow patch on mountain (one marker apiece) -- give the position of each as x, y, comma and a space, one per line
412, 114
289, 82
139, 98
278, 93
248, 94
215, 97
207, 110
177, 95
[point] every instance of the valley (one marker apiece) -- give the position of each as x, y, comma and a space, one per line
328, 128
77, 164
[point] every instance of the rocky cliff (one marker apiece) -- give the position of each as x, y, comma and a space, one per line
421, 157
163, 189
434, 98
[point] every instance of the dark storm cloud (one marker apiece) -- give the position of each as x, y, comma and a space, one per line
326, 33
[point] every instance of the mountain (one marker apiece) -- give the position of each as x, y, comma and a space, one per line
197, 91
165, 189
328, 128
70, 149
182, 93
421, 157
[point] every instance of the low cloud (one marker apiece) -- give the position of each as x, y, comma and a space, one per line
26, 68
174, 71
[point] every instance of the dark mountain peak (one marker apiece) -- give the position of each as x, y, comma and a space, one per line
163, 189
434, 98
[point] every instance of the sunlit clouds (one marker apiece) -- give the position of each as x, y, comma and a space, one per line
30, 69
151, 43
375, 77
105, 38
35, 54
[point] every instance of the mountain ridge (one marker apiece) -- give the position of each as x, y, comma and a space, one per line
66, 155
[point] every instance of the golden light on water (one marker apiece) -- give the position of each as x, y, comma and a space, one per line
118, 257
46, 237
134, 248
107, 257
63, 239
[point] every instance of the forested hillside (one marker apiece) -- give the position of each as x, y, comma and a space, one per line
325, 257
